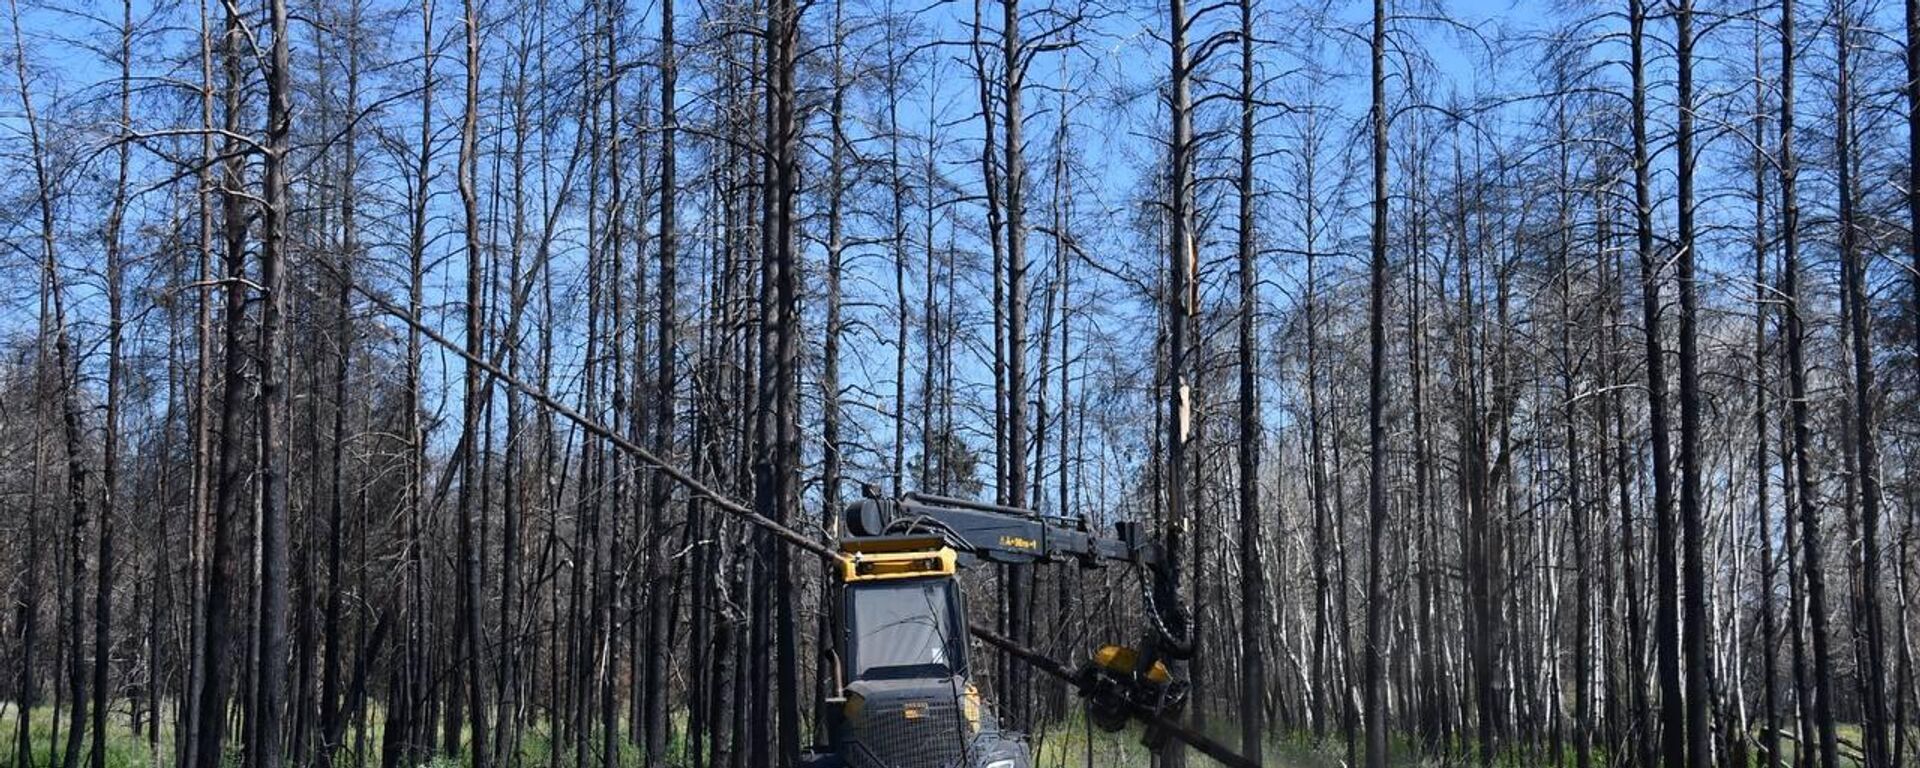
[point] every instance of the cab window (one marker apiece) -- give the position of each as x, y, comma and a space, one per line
902, 629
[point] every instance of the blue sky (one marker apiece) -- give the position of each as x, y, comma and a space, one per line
1106, 82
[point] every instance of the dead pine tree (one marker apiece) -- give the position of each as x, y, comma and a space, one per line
776, 480
1019, 578
1667, 611
110, 439
1696, 632
202, 423
1570, 417
333, 711
230, 478
1376, 661
65, 376
264, 725
1870, 644
66, 373
1253, 591
1906, 741
1180, 303
474, 393
1763, 301
1818, 680
832, 449
659, 603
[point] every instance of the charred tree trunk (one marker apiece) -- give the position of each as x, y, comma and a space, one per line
1820, 709
110, 440
1376, 672
276, 208
1697, 630
1666, 564
1870, 646
231, 477
472, 403
659, 606
1253, 592
1180, 300
1019, 578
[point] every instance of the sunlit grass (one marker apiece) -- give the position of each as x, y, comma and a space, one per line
124, 747
1066, 744
1071, 744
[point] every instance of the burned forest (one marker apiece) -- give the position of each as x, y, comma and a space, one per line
959, 384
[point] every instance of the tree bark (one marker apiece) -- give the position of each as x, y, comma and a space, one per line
276, 208
1376, 672
1253, 593
1666, 615
1810, 540
110, 441
1763, 483
1865, 425
1180, 300
1697, 630
231, 481
659, 606
1019, 578
332, 722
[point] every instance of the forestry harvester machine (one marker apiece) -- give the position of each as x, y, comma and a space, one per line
906, 697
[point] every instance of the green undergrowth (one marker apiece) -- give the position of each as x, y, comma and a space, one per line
1072, 744
124, 747
535, 747
1851, 736
1068, 744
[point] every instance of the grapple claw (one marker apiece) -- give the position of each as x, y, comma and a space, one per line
1116, 687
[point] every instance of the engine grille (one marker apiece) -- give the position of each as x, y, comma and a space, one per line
890, 739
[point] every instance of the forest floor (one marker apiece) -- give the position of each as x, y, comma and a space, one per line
1072, 744
125, 748
129, 749
1066, 745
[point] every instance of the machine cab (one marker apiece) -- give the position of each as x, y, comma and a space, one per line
901, 611
902, 629
907, 698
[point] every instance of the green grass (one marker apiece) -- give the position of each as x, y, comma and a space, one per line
1851, 735
124, 747
1059, 745
128, 749
1067, 744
